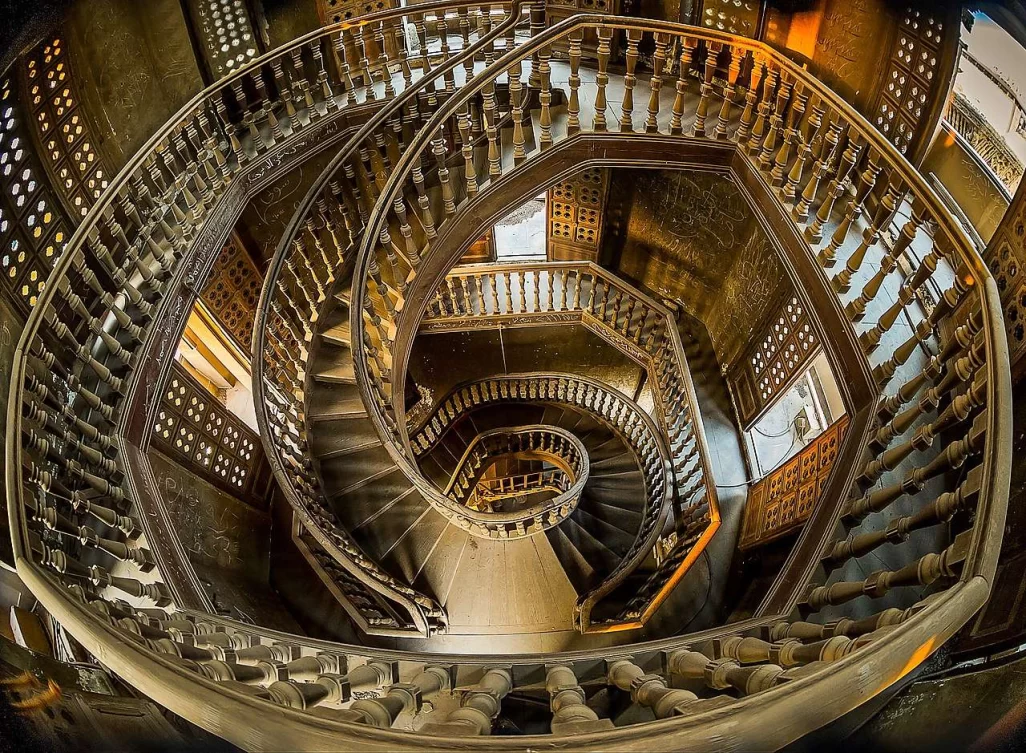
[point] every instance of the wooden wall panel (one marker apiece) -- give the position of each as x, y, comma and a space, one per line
574, 213
781, 502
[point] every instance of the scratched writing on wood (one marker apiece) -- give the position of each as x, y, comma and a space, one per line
211, 534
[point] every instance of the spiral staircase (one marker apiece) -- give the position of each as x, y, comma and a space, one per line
608, 504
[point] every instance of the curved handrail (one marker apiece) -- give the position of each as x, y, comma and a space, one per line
846, 660
564, 450
388, 110
202, 152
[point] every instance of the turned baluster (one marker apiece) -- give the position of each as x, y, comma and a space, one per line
629, 80
443, 35
573, 107
923, 572
424, 61
469, 169
300, 84
958, 343
779, 175
363, 64
479, 706
649, 690
961, 370
763, 112
491, 130
687, 51
853, 211
712, 51
516, 98
941, 510
570, 711
605, 35
870, 339
699, 671
856, 309
484, 27
380, 34
522, 285
323, 78
438, 148
757, 71
398, 278
836, 188
957, 411
963, 282
776, 121
870, 237
412, 253
427, 218
952, 457
384, 710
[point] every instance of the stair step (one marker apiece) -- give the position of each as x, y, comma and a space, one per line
380, 534
578, 570
342, 372
340, 334
599, 556
337, 408
626, 519
362, 505
411, 551
325, 443
438, 571
354, 468
612, 538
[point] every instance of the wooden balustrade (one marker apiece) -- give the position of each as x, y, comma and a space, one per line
473, 497
72, 520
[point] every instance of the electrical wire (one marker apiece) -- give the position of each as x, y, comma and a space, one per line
766, 475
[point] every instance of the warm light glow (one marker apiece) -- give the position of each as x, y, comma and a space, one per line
803, 33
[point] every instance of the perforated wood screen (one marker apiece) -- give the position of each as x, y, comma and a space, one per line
33, 228
768, 367
914, 79
783, 501
575, 208
195, 429
232, 291
67, 144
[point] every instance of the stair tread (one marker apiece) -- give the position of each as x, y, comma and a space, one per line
342, 371
411, 551
614, 539
346, 471
340, 334
379, 535
590, 547
361, 505
575, 565
437, 572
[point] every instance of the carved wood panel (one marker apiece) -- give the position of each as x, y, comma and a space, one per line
770, 364
232, 291
574, 213
782, 501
